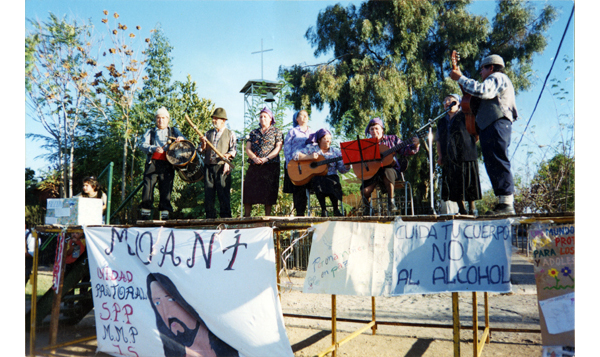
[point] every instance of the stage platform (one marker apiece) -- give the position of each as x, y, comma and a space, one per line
294, 223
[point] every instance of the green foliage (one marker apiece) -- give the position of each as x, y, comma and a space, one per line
57, 61
104, 110
391, 59
552, 189
189, 198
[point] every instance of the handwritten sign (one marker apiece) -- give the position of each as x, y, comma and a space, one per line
451, 256
554, 268
163, 291
559, 313
350, 258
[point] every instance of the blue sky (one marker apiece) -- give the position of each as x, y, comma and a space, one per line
213, 42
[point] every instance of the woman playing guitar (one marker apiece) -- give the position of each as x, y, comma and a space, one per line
386, 176
329, 184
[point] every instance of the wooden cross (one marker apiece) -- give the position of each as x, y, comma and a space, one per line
261, 57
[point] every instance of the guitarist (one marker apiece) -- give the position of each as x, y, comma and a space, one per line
494, 118
386, 176
329, 185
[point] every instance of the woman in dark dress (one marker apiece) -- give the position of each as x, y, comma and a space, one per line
457, 154
261, 184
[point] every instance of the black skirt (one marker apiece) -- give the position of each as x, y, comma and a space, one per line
327, 185
460, 182
261, 184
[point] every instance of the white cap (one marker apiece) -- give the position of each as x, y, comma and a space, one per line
162, 111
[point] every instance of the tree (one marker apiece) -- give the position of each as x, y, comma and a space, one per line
552, 189
57, 55
391, 59
188, 198
157, 90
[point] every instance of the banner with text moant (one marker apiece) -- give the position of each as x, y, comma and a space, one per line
176, 292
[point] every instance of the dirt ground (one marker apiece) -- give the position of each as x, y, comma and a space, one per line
309, 337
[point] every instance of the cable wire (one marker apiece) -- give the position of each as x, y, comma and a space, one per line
545, 81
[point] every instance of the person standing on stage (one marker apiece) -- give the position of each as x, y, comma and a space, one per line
494, 118
261, 184
217, 176
328, 185
158, 169
295, 140
457, 155
386, 177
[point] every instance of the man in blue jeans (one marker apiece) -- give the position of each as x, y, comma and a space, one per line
497, 110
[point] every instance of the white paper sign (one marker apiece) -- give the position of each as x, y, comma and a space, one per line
559, 313
163, 291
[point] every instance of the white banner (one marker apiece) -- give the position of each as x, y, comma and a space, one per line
452, 256
350, 258
375, 259
182, 292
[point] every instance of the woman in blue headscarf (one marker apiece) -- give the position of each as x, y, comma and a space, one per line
295, 140
261, 184
329, 185
457, 155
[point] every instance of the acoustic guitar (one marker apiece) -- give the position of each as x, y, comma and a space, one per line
302, 171
468, 103
370, 168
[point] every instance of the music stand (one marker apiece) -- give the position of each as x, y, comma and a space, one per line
360, 151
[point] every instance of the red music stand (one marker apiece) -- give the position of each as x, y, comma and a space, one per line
361, 150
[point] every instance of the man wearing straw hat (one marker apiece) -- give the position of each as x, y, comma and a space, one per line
158, 169
217, 176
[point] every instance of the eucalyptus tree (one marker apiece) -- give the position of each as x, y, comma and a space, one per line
391, 59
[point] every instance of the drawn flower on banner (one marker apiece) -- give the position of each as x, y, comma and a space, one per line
554, 273
566, 271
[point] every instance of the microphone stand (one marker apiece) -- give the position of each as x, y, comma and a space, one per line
428, 126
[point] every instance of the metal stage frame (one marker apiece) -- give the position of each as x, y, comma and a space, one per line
282, 224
